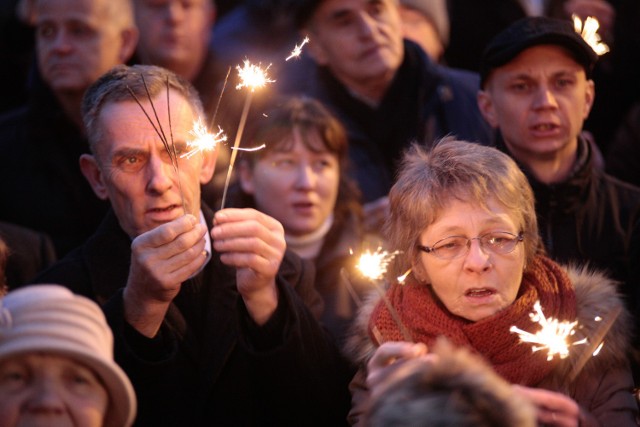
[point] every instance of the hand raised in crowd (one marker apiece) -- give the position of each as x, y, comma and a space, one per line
161, 259
387, 355
253, 243
553, 408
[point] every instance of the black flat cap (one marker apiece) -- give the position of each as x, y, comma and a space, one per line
533, 31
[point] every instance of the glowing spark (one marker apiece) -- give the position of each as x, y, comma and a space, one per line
252, 76
373, 265
402, 278
589, 32
552, 336
298, 49
597, 350
260, 147
203, 140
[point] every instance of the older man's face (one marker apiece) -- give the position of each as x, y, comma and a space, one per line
174, 34
359, 40
135, 171
78, 41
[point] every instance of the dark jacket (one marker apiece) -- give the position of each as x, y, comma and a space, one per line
623, 157
425, 101
210, 364
41, 185
592, 218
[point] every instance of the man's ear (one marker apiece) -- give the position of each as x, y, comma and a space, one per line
245, 177
486, 107
129, 42
93, 174
590, 96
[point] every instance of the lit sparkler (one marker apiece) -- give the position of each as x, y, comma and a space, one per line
203, 140
553, 335
297, 51
589, 32
373, 266
252, 77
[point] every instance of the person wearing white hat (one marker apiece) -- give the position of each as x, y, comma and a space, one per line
56, 362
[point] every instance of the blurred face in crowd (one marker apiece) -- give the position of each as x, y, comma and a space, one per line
360, 41
39, 389
539, 102
418, 28
481, 282
174, 34
133, 169
294, 184
79, 40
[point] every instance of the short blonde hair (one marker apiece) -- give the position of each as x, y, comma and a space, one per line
429, 179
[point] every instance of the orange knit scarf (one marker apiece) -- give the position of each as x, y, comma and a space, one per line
426, 319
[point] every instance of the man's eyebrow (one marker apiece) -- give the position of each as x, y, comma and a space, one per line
124, 152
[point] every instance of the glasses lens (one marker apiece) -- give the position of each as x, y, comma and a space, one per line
500, 243
450, 247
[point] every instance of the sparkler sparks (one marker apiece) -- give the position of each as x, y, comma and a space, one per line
553, 335
373, 266
203, 140
589, 32
297, 51
252, 76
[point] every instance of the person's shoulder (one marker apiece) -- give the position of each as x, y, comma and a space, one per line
10, 124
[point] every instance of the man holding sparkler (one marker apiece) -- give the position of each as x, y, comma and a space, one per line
208, 323
462, 218
385, 90
537, 92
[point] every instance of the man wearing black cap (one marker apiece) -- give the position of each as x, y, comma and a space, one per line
536, 90
386, 91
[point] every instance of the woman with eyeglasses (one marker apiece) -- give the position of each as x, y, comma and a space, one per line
462, 217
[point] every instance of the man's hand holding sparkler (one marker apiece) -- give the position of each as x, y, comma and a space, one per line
161, 259
253, 243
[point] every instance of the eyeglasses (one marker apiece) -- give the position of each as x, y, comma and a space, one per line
452, 247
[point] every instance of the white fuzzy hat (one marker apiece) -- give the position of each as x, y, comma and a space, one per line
50, 318
436, 11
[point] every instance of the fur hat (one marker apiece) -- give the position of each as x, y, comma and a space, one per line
533, 31
50, 318
436, 12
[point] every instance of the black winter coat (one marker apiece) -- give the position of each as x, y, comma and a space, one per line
210, 364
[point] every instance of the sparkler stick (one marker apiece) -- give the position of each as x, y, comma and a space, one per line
251, 77
173, 146
373, 266
596, 342
160, 132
